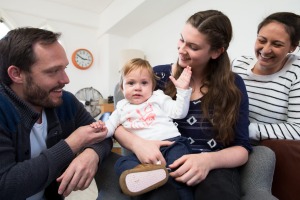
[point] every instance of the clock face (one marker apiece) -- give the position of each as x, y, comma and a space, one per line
82, 58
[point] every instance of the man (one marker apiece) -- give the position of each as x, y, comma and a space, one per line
47, 149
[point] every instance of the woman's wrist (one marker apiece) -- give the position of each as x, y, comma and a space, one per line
209, 157
136, 143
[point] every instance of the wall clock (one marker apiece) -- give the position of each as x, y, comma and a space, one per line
82, 59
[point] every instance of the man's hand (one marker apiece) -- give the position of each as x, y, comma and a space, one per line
80, 173
84, 136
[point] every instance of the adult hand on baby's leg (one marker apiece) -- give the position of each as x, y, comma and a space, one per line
148, 151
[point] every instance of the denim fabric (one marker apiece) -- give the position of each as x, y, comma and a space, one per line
170, 153
256, 179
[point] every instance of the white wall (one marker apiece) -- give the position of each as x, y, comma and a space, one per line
73, 37
158, 41
160, 46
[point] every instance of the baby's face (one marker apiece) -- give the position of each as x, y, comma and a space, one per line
137, 86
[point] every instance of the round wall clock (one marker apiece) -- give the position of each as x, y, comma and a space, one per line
82, 58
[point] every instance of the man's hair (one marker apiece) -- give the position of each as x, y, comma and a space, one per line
16, 48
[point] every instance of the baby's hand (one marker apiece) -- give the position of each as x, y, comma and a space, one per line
99, 126
184, 79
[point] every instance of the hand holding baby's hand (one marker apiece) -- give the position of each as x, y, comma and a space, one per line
99, 126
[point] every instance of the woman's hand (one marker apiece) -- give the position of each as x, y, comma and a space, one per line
191, 169
148, 151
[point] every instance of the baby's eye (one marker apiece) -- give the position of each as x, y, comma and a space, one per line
145, 82
130, 83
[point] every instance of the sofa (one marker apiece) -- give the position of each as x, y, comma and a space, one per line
287, 174
256, 174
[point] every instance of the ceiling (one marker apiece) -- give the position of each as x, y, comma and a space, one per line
119, 17
133, 21
96, 6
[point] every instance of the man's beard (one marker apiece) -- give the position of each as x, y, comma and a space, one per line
38, 96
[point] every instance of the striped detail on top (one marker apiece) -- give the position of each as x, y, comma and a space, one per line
274, 100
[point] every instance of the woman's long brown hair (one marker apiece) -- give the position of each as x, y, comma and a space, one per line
221, 98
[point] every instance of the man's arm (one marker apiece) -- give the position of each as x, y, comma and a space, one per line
82, 169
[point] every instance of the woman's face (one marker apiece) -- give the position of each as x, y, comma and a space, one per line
193, 48
271, 47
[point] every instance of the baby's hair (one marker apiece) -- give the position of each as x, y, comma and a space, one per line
137, 64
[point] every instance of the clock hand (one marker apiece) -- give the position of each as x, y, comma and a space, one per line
81, 57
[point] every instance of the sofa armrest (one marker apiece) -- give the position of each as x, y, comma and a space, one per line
286, 175
257, 174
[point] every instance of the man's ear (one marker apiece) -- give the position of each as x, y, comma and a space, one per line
217, 53
15, 74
